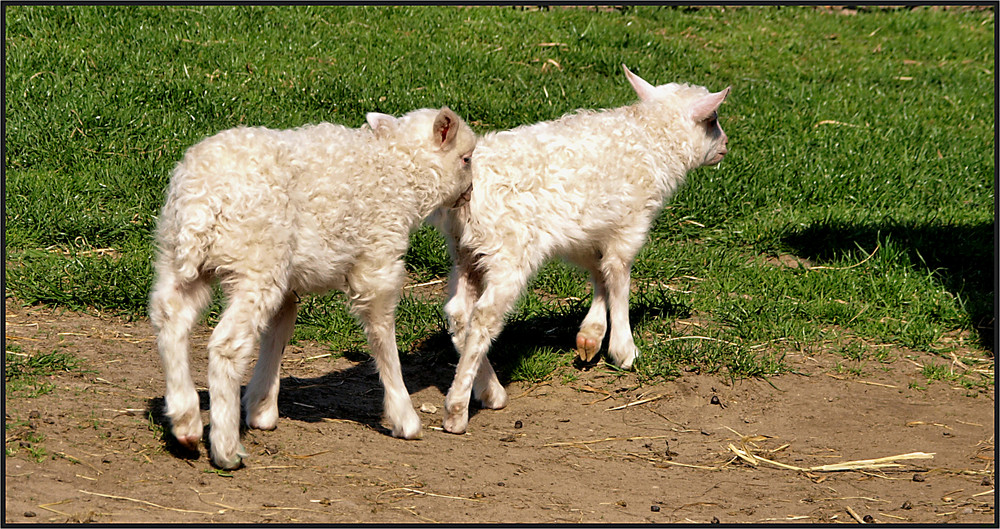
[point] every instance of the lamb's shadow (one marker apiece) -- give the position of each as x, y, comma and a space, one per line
156, 412
959, 255
355, 393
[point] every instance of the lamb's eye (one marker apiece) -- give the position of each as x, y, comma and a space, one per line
467, 159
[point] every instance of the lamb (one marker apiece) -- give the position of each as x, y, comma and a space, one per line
276, 213
585, 187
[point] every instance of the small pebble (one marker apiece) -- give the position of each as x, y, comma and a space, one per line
654, 508
868, 519
986, 482
34, 414
715, 400
907, 505
715, 520
501, 484
919, 477
29, 514
518, 424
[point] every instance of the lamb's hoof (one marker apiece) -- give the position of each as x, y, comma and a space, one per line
232, 461
263, 421
189, 442
493, 398
586, 348
456, 423
456, 427
411, 430
624, 361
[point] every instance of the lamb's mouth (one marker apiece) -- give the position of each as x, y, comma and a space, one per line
716, 159
463, 198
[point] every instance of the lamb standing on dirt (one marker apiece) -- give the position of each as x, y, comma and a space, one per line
275, 213
585, 187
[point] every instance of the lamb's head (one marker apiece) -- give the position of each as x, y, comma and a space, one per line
699, 111
440, 144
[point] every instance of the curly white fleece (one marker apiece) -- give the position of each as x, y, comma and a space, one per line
585, 187
272, 213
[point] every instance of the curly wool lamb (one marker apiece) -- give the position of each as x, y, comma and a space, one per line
275, 213
585, 187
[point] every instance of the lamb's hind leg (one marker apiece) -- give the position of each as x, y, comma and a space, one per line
499, 296
174, 307
595, 323
466, 286
251, 307
486, 387
374, 294
261, 398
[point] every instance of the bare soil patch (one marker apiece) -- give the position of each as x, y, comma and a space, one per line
594, 448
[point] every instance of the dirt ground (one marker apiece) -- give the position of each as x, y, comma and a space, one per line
597, 448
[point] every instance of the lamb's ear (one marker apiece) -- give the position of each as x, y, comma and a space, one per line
703, 108
380, 121
642, 89
445, 128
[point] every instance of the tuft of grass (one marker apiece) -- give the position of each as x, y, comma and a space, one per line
537, 365
24, 373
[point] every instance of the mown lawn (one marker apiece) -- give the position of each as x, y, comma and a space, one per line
856, 207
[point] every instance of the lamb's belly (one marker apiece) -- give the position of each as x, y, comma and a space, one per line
321, 271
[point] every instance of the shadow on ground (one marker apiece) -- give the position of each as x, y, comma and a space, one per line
355, 394
961, 257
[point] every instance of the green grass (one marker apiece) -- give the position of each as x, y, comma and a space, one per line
24, 373
863, 145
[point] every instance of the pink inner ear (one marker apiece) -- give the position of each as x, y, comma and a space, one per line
704, 107
444, 131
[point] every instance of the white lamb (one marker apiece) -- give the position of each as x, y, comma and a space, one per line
272, 213
585, 187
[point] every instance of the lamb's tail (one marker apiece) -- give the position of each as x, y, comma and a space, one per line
185, 227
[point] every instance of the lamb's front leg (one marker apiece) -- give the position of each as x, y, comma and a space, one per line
375, 294
621, 346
